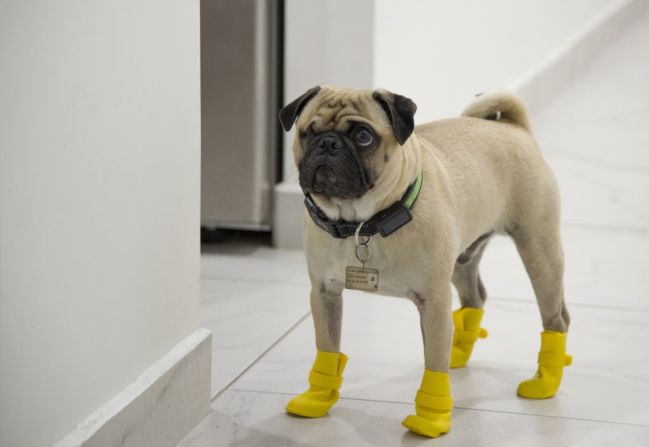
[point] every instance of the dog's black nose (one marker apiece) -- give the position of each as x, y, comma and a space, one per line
330, 143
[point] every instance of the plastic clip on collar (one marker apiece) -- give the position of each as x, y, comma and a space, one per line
385, 222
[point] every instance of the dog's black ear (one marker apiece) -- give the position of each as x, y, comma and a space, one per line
400, 111
290, 112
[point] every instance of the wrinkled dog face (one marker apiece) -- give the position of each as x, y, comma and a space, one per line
344, 138
337, 154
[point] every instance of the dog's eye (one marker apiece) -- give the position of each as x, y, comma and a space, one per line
307, 131
363, 136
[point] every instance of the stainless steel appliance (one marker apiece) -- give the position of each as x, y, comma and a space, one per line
240, 88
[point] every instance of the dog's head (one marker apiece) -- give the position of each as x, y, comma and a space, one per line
346, 138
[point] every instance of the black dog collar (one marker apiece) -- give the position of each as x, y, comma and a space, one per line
386, 221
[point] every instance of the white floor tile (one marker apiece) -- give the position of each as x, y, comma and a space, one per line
246, 318
597, 196
253, 263
607, 382
257, 420
603, 268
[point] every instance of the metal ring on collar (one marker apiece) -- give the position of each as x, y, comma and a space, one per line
357, 234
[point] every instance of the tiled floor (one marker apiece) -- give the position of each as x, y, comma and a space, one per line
596, 136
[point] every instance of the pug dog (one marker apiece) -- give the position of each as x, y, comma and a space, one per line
403, 210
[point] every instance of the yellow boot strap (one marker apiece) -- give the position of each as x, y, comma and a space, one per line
434, 402
469, 336
324, 380
552, 359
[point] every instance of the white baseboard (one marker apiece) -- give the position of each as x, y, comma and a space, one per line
160, 407
288, 220
535, 87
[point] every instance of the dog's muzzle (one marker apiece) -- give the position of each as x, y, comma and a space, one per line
331, 167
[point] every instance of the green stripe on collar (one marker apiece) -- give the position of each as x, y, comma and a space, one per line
385, 222
410, 200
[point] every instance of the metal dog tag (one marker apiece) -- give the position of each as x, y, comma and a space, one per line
361, 278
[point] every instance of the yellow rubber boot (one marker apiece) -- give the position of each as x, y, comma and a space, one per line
467, 330
324, 380
552, 359
433, 406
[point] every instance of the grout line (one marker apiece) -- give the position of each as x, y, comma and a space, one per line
583, 305
577, 158
282, 337
572, 418
490, 297
605, 227
602, 421
568, 225
260, 280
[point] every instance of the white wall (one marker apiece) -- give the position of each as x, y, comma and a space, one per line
438, 52
326, 42
441, 53
99, 202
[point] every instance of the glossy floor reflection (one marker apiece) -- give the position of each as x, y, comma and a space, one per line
595, 136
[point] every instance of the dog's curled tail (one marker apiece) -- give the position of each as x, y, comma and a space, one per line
499, 106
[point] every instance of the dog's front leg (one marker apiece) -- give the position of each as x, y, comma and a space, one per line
327, 312
325, 377
436, 328
433, 401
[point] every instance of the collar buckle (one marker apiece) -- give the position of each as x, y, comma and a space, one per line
395, 218
319, 219
384, 222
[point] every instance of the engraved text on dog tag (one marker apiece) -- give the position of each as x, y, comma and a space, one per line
361, 278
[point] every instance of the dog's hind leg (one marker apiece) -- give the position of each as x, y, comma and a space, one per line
466, 275
466, 320
542, 254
